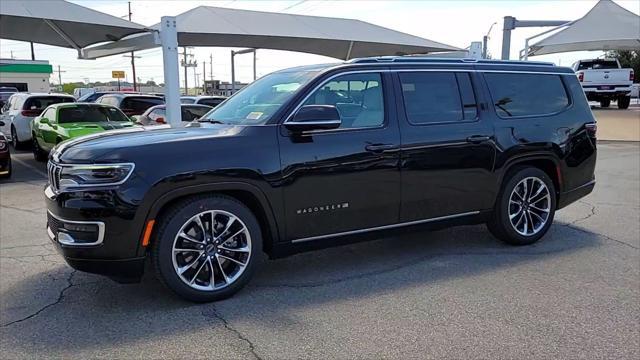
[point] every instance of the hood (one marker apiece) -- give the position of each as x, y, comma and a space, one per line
131, 140
83, 128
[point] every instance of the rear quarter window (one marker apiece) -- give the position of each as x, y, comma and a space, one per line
42, 102
516, 95
138, 105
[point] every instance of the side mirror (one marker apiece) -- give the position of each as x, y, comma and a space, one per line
315, 117
44, 121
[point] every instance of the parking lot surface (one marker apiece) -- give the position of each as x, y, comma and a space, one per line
455, 293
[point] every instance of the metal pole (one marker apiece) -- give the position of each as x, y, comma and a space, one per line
60, 77
33, 54
204, 76
484, 47
509, 24
133, 61
186, 88
118, 84
233, 73
195, 81
254, 65
169, 40
211, 67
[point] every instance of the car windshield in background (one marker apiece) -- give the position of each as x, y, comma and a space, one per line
185, 100
137, 105
256, 103
42, 102
597, 64
191, 113
213, 102
89, 113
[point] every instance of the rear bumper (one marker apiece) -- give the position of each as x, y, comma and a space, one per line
571, 196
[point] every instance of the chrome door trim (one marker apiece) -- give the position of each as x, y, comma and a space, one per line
385, 227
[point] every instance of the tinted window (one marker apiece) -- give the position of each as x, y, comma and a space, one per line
191, 113
434, 97
597, 64
42, 102
358, 98
526, 94
88, 113
138, 105
210, 102
187, 100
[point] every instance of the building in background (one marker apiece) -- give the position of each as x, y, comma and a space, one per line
216, 87
25, 75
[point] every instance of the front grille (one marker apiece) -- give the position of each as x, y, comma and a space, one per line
53, 172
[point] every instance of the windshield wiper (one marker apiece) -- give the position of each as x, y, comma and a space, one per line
211, 121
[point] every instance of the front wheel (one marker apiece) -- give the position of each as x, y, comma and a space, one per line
38, 153
207, 247
525, 207
15, 142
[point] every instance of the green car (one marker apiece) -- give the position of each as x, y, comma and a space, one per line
60, 122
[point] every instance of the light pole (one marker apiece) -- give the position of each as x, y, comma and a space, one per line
485, 39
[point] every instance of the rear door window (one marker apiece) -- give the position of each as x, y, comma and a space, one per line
438, 97
40, 103
138, 105
517, 94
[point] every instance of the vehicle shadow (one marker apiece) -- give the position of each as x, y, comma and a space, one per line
94, 313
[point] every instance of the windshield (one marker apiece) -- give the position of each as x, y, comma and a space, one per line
89, 113
256, 103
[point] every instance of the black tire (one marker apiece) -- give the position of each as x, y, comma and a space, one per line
7, 175
173, 220
500, 224
605, 103
15, 142
38, 153
623, 102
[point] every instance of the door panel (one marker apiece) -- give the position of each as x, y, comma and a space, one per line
447, 151
344, 179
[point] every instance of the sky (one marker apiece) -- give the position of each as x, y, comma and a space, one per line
453, 22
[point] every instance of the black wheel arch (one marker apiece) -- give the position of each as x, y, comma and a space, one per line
250, 195
548, 163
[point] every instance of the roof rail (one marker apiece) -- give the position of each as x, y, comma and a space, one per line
424, 59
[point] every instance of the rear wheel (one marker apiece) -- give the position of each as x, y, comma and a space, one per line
525, 208
623, 102
38, 153
207, 248
15, 142
605, 103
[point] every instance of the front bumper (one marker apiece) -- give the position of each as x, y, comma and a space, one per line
95, 232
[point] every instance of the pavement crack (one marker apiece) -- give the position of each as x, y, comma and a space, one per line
70, 284
33, 211
212, 312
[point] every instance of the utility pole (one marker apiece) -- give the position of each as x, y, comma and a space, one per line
211, 67
187, 64
60, 77
33, 53
204, 76
195, 81
133, 61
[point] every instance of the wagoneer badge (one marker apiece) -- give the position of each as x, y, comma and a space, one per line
316, 209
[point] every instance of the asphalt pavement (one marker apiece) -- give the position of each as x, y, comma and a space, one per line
455, 293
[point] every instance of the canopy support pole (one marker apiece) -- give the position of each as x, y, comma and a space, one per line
169, 41
64, 36
349, 51
524, 54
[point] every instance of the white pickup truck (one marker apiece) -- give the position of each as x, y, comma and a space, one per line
604, 80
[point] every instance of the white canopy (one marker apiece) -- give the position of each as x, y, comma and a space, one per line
607, 26
333, 37
60, 23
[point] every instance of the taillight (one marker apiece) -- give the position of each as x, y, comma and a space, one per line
31, 113
580, 76
160, 121
631, 75
592, 128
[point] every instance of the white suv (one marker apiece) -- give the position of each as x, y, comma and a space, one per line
20, 110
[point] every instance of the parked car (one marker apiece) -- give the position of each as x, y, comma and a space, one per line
20, 111
604, 80
319, 155
5, 156
212, 101
5, 93
65, 121
81, 92
92, 97
156, 115
130, 104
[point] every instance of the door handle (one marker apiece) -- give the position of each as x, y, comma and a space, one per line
378, 148
477, 139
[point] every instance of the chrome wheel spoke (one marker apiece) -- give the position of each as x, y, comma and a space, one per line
538, 209
245, 249
195, 276
231, 259
224, 275
184, 236
232, 236
516, 214
182, 269
230, 222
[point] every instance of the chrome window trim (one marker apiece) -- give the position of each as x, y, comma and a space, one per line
384, 227
101, 231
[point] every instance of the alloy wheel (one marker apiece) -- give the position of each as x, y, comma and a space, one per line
211, 250
529, 206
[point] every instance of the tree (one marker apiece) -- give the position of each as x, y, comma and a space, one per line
628, 59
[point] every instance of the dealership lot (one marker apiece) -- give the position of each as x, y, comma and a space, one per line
452, 293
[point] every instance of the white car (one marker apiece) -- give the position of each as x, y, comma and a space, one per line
604, 80
208, 100
19, 111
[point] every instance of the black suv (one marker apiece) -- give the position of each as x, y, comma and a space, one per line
321, 155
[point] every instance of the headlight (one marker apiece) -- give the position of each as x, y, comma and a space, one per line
71, 176
3, 144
